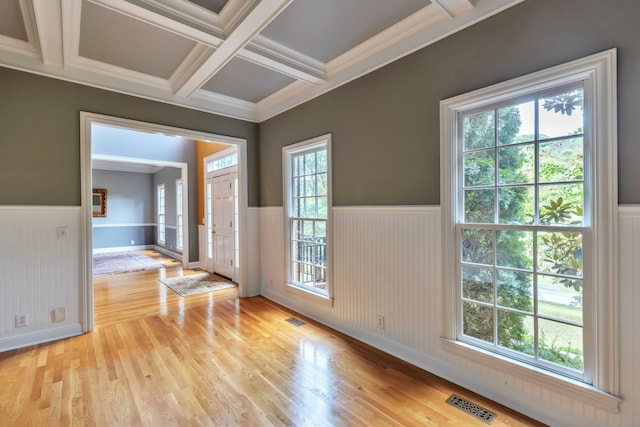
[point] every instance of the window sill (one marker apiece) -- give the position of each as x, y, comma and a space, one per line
308, 295
578, 390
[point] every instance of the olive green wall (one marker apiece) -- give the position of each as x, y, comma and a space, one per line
40, 135
385, 125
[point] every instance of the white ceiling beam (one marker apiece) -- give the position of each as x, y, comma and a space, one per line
233, 12
144, 15
284, 60
453, 7
48, 15
186, 12
21, 47
190, 64
29, 19
71, 17
245, 31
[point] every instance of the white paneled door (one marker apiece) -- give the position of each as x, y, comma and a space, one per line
223, 227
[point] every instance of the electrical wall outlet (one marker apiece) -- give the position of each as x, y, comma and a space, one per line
380, 321
133, 242
22, 320
61, 232
59, 314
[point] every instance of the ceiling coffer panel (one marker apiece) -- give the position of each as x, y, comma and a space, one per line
247, 81
314, 27
11, 21
214, 6
119, 40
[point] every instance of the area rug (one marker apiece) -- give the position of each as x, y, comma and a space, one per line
197, 284
123, 262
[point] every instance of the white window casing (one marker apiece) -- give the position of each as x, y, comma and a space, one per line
161, 217
597, 74
179, 215
319, 291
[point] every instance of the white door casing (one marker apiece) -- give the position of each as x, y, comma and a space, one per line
86, 121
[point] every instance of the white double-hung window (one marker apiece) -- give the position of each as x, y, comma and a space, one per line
307, 194
529, 201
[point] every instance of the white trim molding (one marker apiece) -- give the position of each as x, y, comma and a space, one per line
316, 144
86, 121
145, 224
598, 74
39, 337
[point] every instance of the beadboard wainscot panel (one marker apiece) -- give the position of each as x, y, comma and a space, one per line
251, 255
272, 252
202, 247
40, 271
384, 259
629, 297
387, 261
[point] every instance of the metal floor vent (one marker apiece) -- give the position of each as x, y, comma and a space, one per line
295, 322
472, 409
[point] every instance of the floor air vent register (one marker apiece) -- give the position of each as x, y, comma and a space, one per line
472, 409
295, 322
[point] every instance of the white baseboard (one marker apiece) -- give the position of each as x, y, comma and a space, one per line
163, 250
39, 337
122, 249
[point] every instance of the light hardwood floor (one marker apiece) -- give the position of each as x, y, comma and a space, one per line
156, 359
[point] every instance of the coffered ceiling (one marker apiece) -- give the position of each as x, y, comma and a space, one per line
249, 59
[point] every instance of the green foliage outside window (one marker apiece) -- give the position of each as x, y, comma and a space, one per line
500, 167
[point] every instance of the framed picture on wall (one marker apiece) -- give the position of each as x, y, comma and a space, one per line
99, 202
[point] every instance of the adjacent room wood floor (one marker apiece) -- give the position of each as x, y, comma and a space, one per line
156, 359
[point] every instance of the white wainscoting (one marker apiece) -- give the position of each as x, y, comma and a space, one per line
40, 270
202, 246
629, 297
387, 262
251, 281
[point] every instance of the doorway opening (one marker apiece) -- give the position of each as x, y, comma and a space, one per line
187, 229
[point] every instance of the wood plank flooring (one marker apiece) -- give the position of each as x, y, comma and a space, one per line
156, 359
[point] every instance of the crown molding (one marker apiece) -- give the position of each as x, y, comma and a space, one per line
18, 46
453, 7
161, 21
284, 60
187, 12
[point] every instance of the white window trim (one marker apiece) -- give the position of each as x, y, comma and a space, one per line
287, 153
599, 75
227, 152
179, 214
163, 223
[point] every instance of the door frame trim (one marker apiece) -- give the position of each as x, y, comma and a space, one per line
87, 119
213, 174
